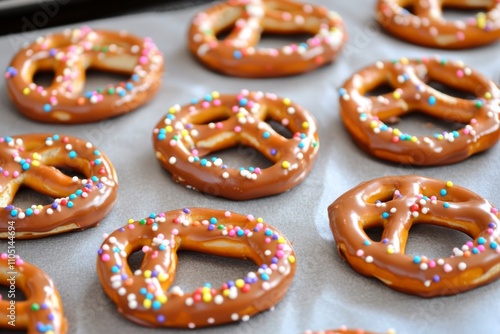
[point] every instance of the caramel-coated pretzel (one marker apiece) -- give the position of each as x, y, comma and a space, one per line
238, 54
364, 116
185, 139
42, 311
427, 26
144, 296
69, 55
396, 203
30, 160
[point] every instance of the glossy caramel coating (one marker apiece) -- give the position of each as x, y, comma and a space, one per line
32, 161
396, 203
208, 231
427, 27
237, 54
42, 311
365, 116
186, 139
69, 54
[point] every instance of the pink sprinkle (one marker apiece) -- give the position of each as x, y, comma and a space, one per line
217, 102
247, 232
244, 92
175, 231
460, 73
131, 226
173, 142
237, 129
194, 152
433, 198
19, 262
15, 174
250, 104
145, 249
39, 89
235, 109
480, 248
105, 257
3, 256
460, 36
473, 121
7, 75
273, 266
432, 264
36, 211
447, 268
494, 211
260, 225
227, 214
6, 173
250, 217
154, 255
490, 231
219, 125
85, 195
466, 131
360, 252
257, 170
205, 104
53, 100
469, 244
268, 240
143, 60
279, 254
314, 41
232, 233
204, 222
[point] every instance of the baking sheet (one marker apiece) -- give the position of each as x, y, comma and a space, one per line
326, 292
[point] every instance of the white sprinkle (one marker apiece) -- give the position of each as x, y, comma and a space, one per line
246, 317
172, 160
440, 262
225, 175
189, 301
132, 305
424, 266
218, 299
235, 316
210, 320
122, 291
369, 259
462, 266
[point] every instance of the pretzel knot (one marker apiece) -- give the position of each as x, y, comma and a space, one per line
185, 139
427, 26
364, 116
144, 296
42, 311
247, 20
396, 203
69, 55
31, 161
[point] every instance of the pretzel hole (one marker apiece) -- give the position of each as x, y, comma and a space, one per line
101, 80
135, 259
26, 197
279, 128
44, 78
451, 91
374, 233
420, 124
434, 241
281, 39
214, 115
456, 13
380, 89
8, 294
244, 156
195, 269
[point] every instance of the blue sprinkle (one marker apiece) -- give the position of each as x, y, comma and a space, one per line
385, 215
264, 277
481, 240
243, 102
237, 54
446, 205
143, 291
70, 204
240, 233
47, 107
443, 192
266, 135
432, 100
156, 305
72, 154
493, 245
135, 77
115, 269
29, 212
416, 259
13, 213
213, 220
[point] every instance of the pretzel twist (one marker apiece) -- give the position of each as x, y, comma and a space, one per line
69, 55
238, 54
185, 139
42, 311
427, 27
364, 116
144, 296
31, 161
396, 203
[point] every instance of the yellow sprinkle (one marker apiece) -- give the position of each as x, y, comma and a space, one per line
396, 132
162, 299
162, 277
449, 184
285, 164
260, 220
373, 124
147, 273
481, 20
215, 95
291, 259
35, 163
130, 221
36, 156
172, 110
487, 95
413, 139
286, 101
207, 297
26, 91
281, 240
39, 207
334, 29
169, 128
240, 115
440, 137
239, 283
404, 61
185, 133
397, 94
225, 292
390, 250
305, 125
146, 303
205, 289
